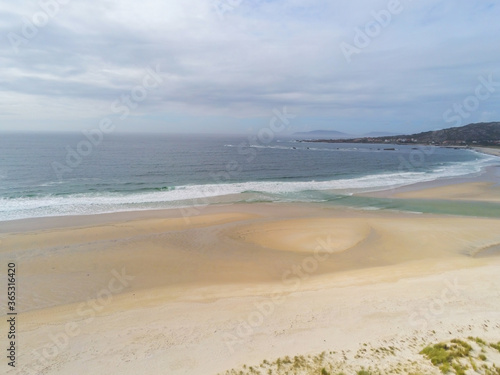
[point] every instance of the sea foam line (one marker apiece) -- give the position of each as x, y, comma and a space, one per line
93, 203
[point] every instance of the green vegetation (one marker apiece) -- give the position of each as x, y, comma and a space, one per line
496, 346
443, 355
468, 356
454, 357
479, 341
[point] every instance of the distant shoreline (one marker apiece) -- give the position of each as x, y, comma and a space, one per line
487, 150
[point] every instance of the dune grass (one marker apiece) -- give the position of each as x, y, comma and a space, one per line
458, 356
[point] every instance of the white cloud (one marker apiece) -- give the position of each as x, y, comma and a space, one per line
260, 55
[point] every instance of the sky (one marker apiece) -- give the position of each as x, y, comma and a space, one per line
229, 66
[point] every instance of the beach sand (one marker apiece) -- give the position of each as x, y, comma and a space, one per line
159, 293
473, 191
495, 151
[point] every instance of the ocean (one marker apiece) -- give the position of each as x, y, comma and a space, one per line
49, 174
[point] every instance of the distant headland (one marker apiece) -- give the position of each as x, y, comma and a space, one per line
478, 134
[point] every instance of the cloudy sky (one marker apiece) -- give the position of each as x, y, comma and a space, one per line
225, 65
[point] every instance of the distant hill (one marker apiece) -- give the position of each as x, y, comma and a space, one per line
481, 134
321, 133
379, 134
336, 134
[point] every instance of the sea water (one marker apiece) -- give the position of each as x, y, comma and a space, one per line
50, 174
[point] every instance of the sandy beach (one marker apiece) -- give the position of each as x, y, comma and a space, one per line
473, 191
495, 151
157, 292
229, 187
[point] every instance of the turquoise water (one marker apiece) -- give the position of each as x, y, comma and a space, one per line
462, 208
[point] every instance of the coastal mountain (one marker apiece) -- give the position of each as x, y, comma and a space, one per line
336, 134
479, 134
321, 133
380, 134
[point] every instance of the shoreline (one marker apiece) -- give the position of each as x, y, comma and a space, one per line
235, 198
488, 174
495, 151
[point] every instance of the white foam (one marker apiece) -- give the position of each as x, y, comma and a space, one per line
308, 148
92, 203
